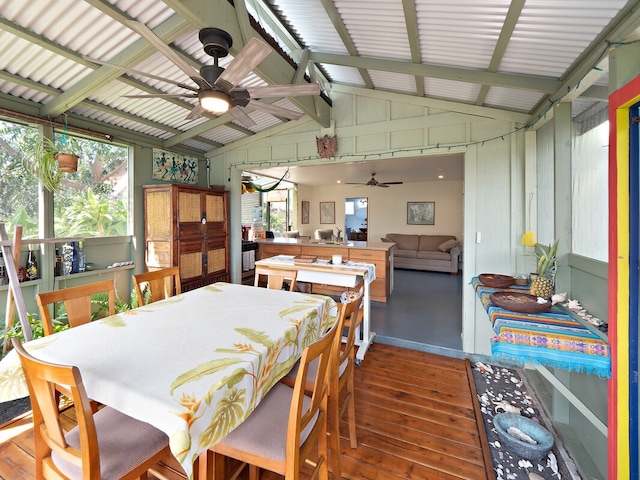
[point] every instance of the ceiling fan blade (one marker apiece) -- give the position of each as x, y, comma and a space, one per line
141, 73
197, 112
274, 110
249, 57
146, 33
241, 116
284, 90
383, 185
163, 95
390, 183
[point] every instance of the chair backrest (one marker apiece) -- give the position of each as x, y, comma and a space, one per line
323, 234
77, 302
292, 234
42, 379
276, 277
351, 316
162, 284
315, 357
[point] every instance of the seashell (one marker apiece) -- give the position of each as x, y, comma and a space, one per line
520, 435
541, 300
504, 406
552, 463
574, 305
534, 476
558, 298
523, 463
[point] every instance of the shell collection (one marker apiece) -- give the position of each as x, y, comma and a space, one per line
582, 312
500, 390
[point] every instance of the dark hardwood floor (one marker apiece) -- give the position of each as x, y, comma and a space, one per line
415, 415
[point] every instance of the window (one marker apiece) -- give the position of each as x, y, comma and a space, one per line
93, 202
18, 187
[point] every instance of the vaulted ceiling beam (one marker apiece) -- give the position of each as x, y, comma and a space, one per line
330, 7
410, 19
509, 25
169, 30
521, 82
54, 92
623, 25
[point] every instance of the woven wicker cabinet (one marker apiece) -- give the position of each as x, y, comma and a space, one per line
188, 227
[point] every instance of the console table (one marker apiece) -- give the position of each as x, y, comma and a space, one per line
553, 339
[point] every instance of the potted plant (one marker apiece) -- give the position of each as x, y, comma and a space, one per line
49, 163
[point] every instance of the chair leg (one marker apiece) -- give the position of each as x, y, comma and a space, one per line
351, 413
334, 435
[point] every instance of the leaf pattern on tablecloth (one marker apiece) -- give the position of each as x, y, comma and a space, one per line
201, 371
228, 415
113, 321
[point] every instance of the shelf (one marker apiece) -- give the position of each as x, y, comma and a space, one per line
604, 336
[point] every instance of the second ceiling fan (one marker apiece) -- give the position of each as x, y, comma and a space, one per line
375, 183
217, 88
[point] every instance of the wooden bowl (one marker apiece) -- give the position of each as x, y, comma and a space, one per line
519, 302
496, 280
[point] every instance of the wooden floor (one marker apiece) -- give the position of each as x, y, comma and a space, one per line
415, 415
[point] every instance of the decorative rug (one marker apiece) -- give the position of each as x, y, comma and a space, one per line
501, 389
13, 409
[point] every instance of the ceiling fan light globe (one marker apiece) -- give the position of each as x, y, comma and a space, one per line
214, 101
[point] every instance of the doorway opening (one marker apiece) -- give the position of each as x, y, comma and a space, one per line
355, 218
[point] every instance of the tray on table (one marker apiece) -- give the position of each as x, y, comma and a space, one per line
519, 302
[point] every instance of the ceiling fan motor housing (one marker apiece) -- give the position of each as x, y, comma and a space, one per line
211, 73
215, 42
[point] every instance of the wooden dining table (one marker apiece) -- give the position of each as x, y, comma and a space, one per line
194, 366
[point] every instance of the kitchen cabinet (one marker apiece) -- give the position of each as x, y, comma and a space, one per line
187, 226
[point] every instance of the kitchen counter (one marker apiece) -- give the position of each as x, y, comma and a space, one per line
378, 253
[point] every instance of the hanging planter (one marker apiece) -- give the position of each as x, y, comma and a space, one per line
48, 164
67, 162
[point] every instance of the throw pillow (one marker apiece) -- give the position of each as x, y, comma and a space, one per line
447, 245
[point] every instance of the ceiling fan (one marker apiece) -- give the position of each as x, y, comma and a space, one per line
374, 183
216, 87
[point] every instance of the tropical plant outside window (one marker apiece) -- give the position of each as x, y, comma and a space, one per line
93, 202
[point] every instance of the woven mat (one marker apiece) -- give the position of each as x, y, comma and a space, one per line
497, 384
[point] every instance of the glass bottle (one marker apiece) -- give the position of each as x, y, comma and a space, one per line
3, 271
82, 262
67, 258
32, 265
74, 257
58, 265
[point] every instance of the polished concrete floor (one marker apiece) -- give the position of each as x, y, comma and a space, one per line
423, 313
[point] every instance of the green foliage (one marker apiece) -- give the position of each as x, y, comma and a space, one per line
16, 331
547, 264
102, 301
90, 215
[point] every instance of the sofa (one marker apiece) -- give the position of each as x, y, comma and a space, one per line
438, 253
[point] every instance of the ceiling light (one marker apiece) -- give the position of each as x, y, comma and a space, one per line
214, 101
440, 176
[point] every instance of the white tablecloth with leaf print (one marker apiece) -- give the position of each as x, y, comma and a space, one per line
194, 366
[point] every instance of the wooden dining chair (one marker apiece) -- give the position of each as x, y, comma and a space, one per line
77, 302
276, 277
341, 377
104, 445
281, 433
161, 284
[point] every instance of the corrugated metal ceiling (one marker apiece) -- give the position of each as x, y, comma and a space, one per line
530, 46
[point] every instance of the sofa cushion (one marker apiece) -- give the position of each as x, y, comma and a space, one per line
447, 245
405, 253
434, 255
431, 242
404, 241
386, 240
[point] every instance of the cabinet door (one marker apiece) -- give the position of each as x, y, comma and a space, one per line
191, 260
190, 213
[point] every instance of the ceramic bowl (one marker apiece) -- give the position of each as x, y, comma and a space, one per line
534, 452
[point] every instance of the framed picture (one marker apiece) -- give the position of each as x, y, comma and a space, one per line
327, 212
421, 213
305, 212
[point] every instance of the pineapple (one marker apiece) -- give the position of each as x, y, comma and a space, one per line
542, 286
